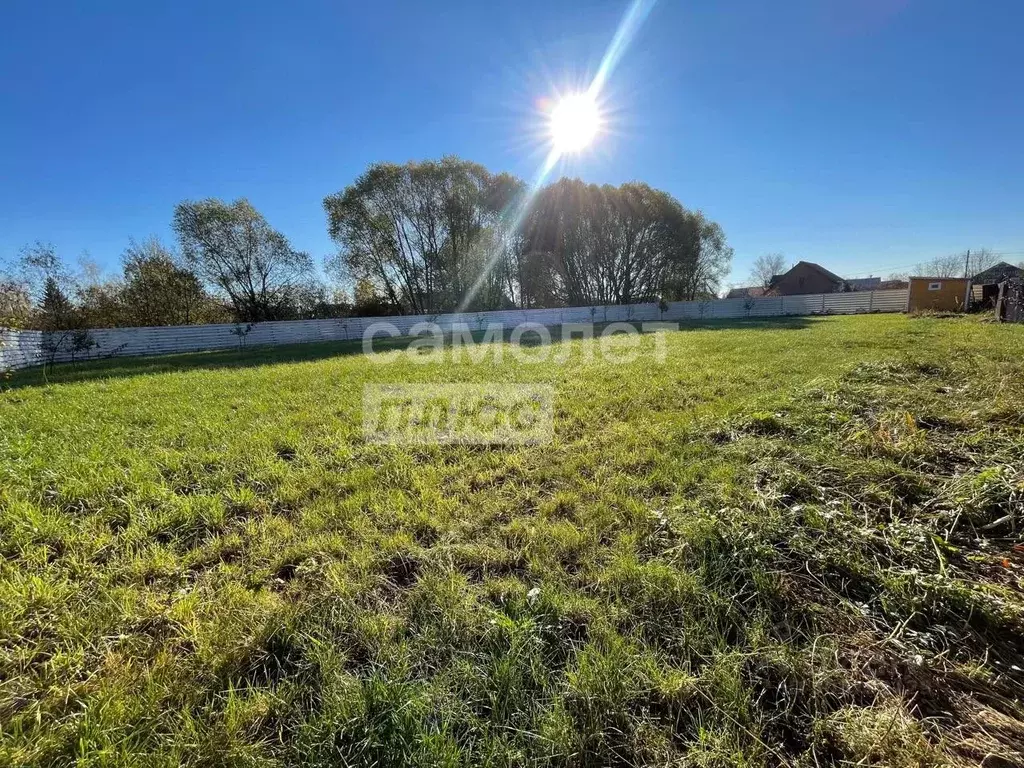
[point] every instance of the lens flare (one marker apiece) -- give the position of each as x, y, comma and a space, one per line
575, 121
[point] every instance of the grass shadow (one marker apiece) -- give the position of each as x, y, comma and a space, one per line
256, 356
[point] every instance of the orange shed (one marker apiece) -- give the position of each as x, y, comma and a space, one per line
939, 294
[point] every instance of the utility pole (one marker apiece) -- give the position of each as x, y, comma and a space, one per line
967, 277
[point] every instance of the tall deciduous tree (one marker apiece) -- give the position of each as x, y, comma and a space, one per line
233, 248
158, 290
15, 304
952, 265
35, 266
423, 233
101, 305
980, 260
618, 245
766, 267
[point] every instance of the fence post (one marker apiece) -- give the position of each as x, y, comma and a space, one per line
823, 303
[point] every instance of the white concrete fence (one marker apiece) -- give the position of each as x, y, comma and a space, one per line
21, 349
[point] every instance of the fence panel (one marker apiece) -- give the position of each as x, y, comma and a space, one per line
889, 301
20, 349
802, 305
769, 307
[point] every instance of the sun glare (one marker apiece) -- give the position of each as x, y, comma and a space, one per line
575, 121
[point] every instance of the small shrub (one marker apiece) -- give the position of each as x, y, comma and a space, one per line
241, 331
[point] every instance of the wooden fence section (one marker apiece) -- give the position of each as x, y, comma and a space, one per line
25, 348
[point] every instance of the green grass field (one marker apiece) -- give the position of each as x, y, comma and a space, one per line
794, 542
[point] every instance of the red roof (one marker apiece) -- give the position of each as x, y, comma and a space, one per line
754, 292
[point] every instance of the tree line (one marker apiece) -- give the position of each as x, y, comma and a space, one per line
439, 236
419, 238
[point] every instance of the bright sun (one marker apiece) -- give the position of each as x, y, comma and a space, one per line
575, 121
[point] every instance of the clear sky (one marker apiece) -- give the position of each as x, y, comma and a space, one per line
865, 135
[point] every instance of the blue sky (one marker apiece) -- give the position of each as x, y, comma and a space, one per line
866, 135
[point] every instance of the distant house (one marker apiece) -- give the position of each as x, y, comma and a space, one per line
805, 277
754, 292
863, 283
997, 274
